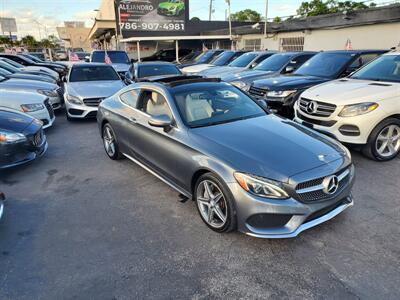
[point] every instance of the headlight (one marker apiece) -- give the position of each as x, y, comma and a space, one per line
281, 94
74, 100
32, 107
261, 186
48, 93
358, 109
239, 84
7, 137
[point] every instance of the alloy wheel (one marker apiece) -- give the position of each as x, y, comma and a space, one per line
212, 204
109, 141
388, 141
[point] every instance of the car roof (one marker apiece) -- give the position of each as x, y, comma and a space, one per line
154, 63
356, 51
82, 65
109, 51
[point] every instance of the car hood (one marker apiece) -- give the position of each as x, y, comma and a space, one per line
41, 69
268, 146
14, 97
197, 68
28, 84
249, 76
13, 121
352, 91
32, 77
220, 71
94, 89
289, 82
121, 67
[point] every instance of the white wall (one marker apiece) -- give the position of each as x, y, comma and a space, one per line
379, 36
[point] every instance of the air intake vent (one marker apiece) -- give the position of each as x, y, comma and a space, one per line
380, 84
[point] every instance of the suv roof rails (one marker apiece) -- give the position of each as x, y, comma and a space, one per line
182, 79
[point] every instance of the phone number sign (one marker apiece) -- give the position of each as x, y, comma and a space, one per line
152, 15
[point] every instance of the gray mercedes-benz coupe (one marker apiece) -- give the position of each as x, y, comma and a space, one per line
246, 169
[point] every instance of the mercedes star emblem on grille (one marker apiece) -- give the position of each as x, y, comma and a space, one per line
312, 107
331, 184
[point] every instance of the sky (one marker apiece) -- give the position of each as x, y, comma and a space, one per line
38, 17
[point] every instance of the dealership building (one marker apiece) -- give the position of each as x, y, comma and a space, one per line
149, 31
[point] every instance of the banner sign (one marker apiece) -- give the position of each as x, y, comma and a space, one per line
152, 16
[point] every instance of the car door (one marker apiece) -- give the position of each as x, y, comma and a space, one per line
161, 150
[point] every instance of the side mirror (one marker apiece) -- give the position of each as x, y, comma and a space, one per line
133, 61
263, 103
162, 121
87, 58
64, 79
253, 65
289, 69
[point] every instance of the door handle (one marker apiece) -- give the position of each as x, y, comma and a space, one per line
132, 119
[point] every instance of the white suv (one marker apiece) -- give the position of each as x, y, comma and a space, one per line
362, 110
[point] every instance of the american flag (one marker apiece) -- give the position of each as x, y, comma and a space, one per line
204, 48
348, 45
107, 59
72, 56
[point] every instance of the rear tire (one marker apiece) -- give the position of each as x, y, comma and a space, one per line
110, 143
215, 203
384, 141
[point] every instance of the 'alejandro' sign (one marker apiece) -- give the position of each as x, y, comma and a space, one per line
141, 16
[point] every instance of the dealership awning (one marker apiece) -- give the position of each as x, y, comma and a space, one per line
176, 38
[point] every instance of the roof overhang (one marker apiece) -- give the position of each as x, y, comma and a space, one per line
177, 38
100, 27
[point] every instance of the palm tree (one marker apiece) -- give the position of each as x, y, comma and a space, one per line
29, 41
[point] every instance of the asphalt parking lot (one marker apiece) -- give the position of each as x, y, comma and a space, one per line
80, 226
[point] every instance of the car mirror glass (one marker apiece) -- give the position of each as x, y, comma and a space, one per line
289, 69
262, 103
87, 58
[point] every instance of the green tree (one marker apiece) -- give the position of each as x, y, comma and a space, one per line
195, 19
29, 41
46, 43
5, 40
277, 20
320, 7
246, 15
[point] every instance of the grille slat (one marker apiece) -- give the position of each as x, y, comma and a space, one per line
49, 108
92, 101
312, 190
259, 92
323, 109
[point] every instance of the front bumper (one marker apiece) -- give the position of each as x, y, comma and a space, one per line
19, 154
271, 218
333, 126
80, 111
45, 116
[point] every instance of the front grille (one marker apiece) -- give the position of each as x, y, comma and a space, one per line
258, 92
92, 101
321, 109
313, 190
60, 92
37, 139
49, 108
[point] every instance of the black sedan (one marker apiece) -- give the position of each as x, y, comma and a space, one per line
146, 70
21, 138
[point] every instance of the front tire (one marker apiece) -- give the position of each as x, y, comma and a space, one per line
384, 141
110, 143
215, 203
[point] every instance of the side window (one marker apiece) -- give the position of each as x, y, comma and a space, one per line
154, 104
130, 98
362, 60
299, 61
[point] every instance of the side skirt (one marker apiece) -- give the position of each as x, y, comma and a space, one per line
171, 184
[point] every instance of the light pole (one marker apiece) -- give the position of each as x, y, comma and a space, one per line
266, 19
229, 18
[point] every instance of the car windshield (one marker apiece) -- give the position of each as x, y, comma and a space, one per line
206, 57
4, 72
274, 63
223, 58
13, 63
116, 57
157, 70
93, 73
206, 104
384, 68
28, 60
8, 67
33, 58
82, 55
243, 60
325, 65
